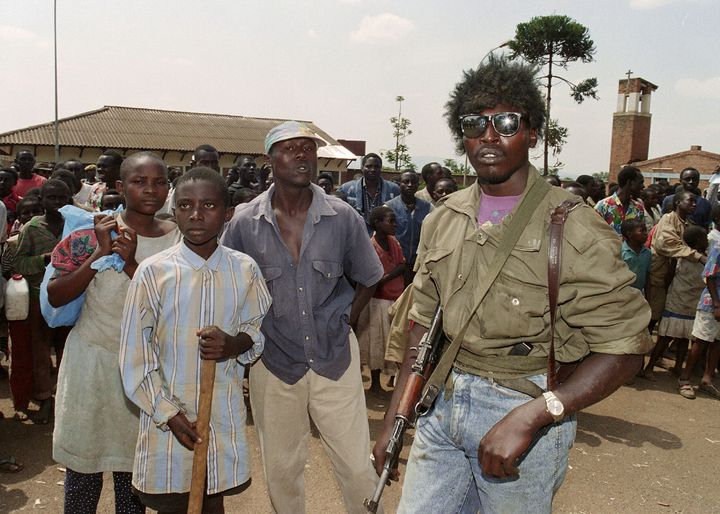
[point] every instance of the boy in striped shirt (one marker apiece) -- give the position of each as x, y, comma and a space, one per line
197, 300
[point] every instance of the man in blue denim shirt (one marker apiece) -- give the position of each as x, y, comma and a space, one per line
306, 242
410, 212
371, 190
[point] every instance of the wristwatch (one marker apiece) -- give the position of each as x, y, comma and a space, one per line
554, 406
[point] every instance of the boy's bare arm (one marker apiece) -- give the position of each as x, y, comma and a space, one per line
218, 345
399, 270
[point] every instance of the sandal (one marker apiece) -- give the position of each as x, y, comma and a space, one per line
686, 390
20, 415
10, 465
710, 389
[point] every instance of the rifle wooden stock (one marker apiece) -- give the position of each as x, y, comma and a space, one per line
411, 394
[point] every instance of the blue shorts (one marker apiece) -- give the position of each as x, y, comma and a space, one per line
443, 473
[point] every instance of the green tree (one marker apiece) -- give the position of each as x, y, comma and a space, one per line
400, 156
556, 137
555, 41
457, 168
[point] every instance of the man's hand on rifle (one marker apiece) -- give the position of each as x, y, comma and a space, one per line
378, 453
416, 333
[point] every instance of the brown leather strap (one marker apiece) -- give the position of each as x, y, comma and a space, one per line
557, 223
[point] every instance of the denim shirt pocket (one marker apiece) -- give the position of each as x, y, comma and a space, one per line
280, 302
325, 284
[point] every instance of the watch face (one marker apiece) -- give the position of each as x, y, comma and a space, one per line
555, 407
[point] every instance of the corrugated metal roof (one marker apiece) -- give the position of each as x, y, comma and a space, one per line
155, 129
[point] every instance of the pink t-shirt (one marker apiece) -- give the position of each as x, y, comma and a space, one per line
24, 185
495, 208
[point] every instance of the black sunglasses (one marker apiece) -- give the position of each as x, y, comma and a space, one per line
505, 123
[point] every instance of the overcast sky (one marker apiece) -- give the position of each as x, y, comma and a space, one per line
341, 63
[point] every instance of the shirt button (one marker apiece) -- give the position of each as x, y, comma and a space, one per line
460, 276
300, 289
310, 361
307, 338
515, 302
328, 275
303, 313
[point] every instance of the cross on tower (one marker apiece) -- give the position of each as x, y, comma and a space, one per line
628, 73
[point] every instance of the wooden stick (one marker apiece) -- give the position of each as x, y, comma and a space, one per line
202, 426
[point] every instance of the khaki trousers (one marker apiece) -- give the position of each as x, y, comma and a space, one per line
282, 417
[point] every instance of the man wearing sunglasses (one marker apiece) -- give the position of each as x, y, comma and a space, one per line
495, 439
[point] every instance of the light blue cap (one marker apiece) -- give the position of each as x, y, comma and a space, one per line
291, 130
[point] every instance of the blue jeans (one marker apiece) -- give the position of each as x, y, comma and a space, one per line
443, 474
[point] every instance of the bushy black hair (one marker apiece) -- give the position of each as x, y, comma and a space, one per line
628, 225
207, 175
494, 82
378, 214
129, 164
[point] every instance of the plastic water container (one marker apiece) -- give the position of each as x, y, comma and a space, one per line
17, 299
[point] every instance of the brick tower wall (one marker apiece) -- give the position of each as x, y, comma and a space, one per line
630, 141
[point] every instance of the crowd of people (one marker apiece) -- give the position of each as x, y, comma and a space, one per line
275, 270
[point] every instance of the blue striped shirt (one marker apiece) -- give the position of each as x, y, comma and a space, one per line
172, 295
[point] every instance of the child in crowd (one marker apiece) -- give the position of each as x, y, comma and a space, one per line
682, 298
634, 252
243, 195
706, 331
374, 320
111, 200
8, 179
667, 244
443, 187
196, 300
95, 426
21, 379
714, 235
37, 239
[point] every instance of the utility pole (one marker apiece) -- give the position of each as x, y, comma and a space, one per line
399, 99
57, 136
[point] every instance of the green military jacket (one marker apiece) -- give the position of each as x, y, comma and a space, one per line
598, 310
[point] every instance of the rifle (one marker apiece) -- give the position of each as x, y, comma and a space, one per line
411, 405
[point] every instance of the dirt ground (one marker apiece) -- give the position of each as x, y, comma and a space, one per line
643, 450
